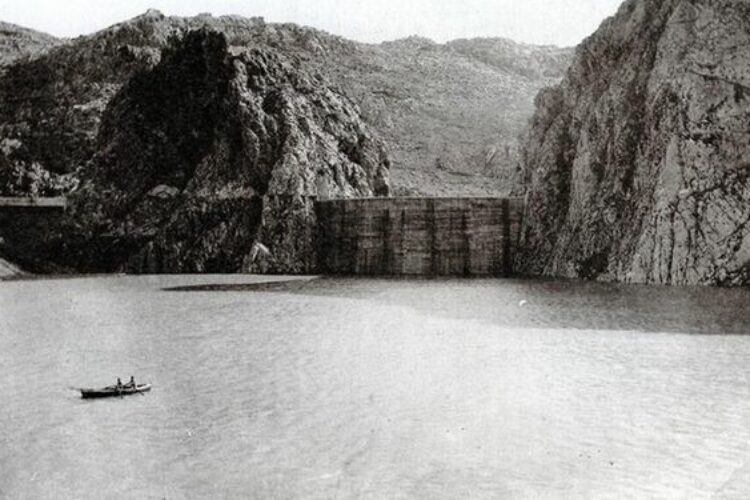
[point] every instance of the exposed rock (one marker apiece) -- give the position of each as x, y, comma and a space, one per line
9, 270
535, 62
450, 112
17, 42
52, 104
164, 192
17, 179
214, 152
637, 165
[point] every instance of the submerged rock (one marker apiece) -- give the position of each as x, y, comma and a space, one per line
637, 165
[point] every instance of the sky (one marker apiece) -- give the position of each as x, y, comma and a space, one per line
553, 22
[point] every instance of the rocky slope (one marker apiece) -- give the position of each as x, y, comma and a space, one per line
17, 42
8, 270
208, 163
637, 165
450, 113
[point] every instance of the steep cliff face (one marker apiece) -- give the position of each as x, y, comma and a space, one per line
214, 154
637, 166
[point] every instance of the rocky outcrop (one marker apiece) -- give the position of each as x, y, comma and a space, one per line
51, 106
9, 270
637, 166
215, 152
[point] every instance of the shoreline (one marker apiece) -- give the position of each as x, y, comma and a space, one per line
264, 278
259, 279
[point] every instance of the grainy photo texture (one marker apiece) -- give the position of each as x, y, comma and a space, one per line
279, 249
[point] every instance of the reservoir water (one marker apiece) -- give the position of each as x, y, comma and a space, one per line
373, 388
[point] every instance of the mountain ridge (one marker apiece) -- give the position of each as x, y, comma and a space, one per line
17, 42
439, 112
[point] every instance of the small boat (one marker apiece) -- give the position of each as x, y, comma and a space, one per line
113, 390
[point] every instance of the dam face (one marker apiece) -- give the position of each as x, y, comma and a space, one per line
418, 236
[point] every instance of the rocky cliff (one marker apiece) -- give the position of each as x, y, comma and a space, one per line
208, 163
451, 113
637, 165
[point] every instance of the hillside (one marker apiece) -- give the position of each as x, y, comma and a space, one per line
636, 165
450, 113
17, 42
208, 162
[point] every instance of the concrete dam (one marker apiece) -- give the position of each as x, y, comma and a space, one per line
418, 236
365, 236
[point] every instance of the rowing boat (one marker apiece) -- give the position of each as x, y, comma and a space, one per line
113, 390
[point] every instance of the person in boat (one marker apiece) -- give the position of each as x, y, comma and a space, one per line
119, 385
132, 382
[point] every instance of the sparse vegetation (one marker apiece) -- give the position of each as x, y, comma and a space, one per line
451, 103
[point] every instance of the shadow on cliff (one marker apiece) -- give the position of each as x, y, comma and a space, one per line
214, 149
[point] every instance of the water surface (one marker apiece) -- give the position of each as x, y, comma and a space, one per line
373, 388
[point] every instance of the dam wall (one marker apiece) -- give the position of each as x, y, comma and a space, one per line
418, 236
27, 225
